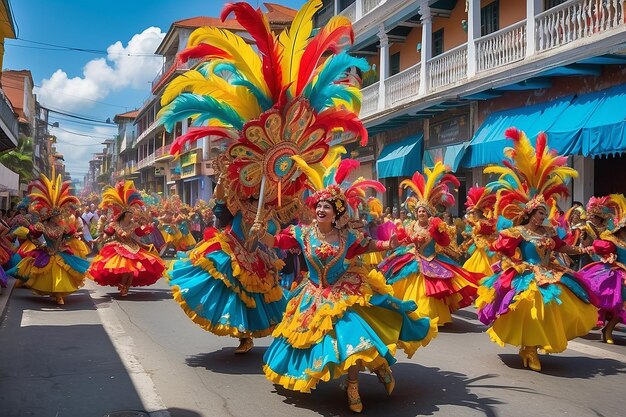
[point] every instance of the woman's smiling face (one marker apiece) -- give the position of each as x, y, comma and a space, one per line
324, 212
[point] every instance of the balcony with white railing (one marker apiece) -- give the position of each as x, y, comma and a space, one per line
360, 8
448, 68
369, 102
350, 12
402, 87
502, 47
577, 19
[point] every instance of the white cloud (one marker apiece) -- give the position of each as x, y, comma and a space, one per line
102, 76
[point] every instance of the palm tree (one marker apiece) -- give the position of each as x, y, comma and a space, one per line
20, 159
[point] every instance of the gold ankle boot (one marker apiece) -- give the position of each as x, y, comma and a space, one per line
386, 378
530, 358
354, 400
245, 345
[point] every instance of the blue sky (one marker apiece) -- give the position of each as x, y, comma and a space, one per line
95, 85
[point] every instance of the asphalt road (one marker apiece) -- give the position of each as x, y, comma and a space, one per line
100, 354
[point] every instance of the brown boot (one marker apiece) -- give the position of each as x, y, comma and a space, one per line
245, 345
530, 358
354, 399
386, 378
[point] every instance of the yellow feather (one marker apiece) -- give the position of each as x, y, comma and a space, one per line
243, 55
294, 40
314, 178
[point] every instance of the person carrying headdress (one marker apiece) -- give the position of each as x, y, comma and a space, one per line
343, 316
50, 267
125, 261
533, 302
421, 270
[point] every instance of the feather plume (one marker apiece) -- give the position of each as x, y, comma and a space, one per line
200, 107
294, 41
332, 119
433, 187
345, 168
255, 22
335, 36
312, 175
195, 133
202, 50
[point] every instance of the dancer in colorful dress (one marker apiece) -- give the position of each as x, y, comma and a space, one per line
51, 268
343, 315
182, 220
533, 302
125, 261
482, 223
418, 271
607, 277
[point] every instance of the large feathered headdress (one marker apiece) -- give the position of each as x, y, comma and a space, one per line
531, 177
480, 198
601, 206
618, 206
432, 189
49, 197
121, 198
284, 101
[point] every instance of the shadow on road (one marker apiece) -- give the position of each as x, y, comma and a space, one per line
419, 391
583, 367
178, 412
224, 361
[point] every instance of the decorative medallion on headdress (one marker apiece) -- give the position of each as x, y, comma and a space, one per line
432, 189
121, 198
50, 197
531, 177
285, 101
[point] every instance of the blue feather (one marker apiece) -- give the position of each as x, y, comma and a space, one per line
187, 105
325, 98
237, 78
334, 70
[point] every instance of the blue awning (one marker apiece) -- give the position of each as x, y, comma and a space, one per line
488, 143
604, 132
402, 158
451, 155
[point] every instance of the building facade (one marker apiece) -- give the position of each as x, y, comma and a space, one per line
447, 77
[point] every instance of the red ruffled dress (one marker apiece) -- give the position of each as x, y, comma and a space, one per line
125, 255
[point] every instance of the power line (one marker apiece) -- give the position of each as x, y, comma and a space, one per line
76, 116
64, 120
84, 134
64, 48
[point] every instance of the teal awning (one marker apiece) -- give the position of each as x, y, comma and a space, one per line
604, 132
451, 155
402, 158
488, 143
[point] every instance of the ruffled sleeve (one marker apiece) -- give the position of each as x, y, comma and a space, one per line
506, 243
143, 230
437, 230
286, 239
604, 247
35, 230
359, 246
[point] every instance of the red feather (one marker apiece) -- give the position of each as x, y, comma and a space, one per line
331, 119
321, 43
559, 189
450, 178
195, 133
419, 181
540, 147
255, 22
375, 185
200, 51
345, 168
512, 133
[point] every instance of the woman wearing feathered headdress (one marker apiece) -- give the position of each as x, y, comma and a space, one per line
421, 271
343, 316
607, 277
482, 224
125, 261
51, 268
533, 302
285, 99
599, 214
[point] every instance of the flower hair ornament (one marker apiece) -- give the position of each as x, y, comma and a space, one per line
281, 103
603, 207
49, 197
331, 185
432, 189
121, 198
531, 177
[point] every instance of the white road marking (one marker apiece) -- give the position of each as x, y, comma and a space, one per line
595, 351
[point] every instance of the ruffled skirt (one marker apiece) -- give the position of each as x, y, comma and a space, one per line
607, 282
355, 321
523, 313
227, 290
59, 274
79, 248
115, 262
480, 262
438, 286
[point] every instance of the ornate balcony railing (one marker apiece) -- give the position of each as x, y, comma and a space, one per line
502, 47
369, 103
369, 5
403, 86
577, 19
448, 68
350, 12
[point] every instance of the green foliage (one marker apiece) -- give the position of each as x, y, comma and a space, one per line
20, 159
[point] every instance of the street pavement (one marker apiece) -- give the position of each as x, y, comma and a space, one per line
100, 354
